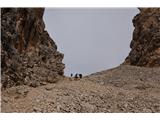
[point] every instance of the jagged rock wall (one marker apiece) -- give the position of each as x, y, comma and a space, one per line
145, 45
28, 54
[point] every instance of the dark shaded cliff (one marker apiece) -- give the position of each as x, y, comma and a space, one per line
28, 54
145, 45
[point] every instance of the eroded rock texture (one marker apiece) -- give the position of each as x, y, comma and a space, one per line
145, 46
28, 54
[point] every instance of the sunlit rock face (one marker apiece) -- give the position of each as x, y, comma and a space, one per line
28, 54
145, 45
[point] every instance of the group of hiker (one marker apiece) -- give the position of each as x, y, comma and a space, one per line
77, 75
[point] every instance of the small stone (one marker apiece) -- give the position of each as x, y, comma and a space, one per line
147, 110
51, 80
102, 83
17, 97
34, 84
49, 88
5, 99
43, 83
36, 109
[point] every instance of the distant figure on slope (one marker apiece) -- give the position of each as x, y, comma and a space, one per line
80, 75
76, 75
71, 75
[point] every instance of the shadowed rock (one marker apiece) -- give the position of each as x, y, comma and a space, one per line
145, 45
29, 55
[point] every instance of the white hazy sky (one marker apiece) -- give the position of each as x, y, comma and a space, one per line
91, 39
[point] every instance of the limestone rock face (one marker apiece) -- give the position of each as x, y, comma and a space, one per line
145, 45
28, 54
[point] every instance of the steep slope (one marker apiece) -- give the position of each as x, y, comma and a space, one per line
30, 60
29, 55
145, 45
122, 89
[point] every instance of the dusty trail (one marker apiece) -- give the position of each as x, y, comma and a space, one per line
122, 89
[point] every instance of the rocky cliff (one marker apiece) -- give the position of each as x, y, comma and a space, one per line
28, 54
145, 45
30, 58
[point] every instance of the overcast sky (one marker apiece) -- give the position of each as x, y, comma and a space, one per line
91, 39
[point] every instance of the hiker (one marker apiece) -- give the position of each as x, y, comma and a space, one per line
71, 75
76, 75
80, 75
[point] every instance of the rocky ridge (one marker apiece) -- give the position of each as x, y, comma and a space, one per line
29, 55
145, 45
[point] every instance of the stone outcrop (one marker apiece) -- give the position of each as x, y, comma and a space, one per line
145, 45
28, 54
